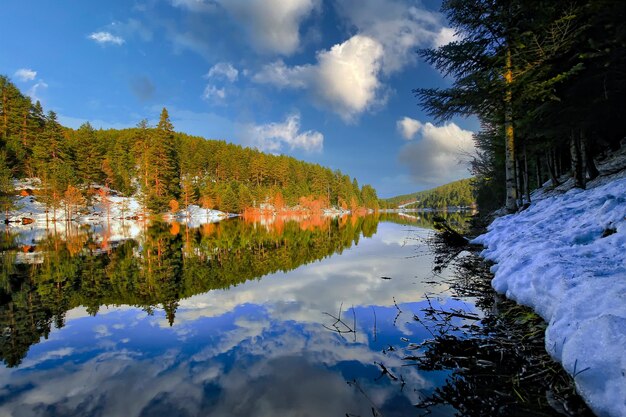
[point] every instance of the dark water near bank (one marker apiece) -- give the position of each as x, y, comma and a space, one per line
309, 318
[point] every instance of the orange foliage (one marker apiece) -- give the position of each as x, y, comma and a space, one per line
279, 226
354, 204
315, 205
206, 202
108, 171
343, 204
208, 229
174, 206
174, 228
279, 202
343, 220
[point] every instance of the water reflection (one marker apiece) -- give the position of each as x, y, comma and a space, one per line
178, 322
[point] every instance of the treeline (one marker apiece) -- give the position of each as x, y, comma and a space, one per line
165, 168
165, 268
455, 194
546, 80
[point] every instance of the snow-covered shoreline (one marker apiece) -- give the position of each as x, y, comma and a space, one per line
120, 217
565, 257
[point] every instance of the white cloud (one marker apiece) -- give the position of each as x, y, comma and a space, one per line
345, 78
106, 38
440, 154
347, 75
408, 127
445, 36
273, 25
280, 75
397, 26
223, 70
25, 74
34, 91
211, 93
273, 137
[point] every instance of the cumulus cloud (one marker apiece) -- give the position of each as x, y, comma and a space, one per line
439, 155
408, 127
223, 70
399, 27
25, 74
104, 38
349, 77
345, 78
274, 137
273, 25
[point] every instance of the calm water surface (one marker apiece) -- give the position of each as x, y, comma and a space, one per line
283, 318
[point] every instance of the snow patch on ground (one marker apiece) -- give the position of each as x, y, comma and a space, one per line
115, 216
196, 216
565, 256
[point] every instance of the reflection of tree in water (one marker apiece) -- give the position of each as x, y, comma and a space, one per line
164, 266
499, 365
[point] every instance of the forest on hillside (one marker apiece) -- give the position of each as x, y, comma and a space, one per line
455, 194
547, 81
163, 167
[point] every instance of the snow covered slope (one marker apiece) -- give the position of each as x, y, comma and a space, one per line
565, 256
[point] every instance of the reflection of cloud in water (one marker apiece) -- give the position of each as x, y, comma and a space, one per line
259, 368
353, 278
277, 388
256, 349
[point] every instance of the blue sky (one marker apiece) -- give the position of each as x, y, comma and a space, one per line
325, 81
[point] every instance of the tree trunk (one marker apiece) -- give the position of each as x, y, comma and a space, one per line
511, 189
5, 114
518, 182
24, 130
526, 185
538, 170
552, 169
576, 159
592, 170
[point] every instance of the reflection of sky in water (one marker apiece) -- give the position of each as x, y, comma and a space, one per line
258, 349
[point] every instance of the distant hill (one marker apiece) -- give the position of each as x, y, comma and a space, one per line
455, 194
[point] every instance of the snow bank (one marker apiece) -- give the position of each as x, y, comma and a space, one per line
117, 217
195, 216
565, 256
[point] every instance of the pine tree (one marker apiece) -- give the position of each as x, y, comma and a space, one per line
163, 169
89, 158
483, 69
52, 161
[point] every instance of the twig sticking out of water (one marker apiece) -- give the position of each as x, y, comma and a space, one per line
385, 371
340, 326
399, 311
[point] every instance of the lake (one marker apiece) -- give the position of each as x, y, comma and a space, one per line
275, 317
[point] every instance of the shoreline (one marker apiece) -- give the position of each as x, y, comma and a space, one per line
564, 257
